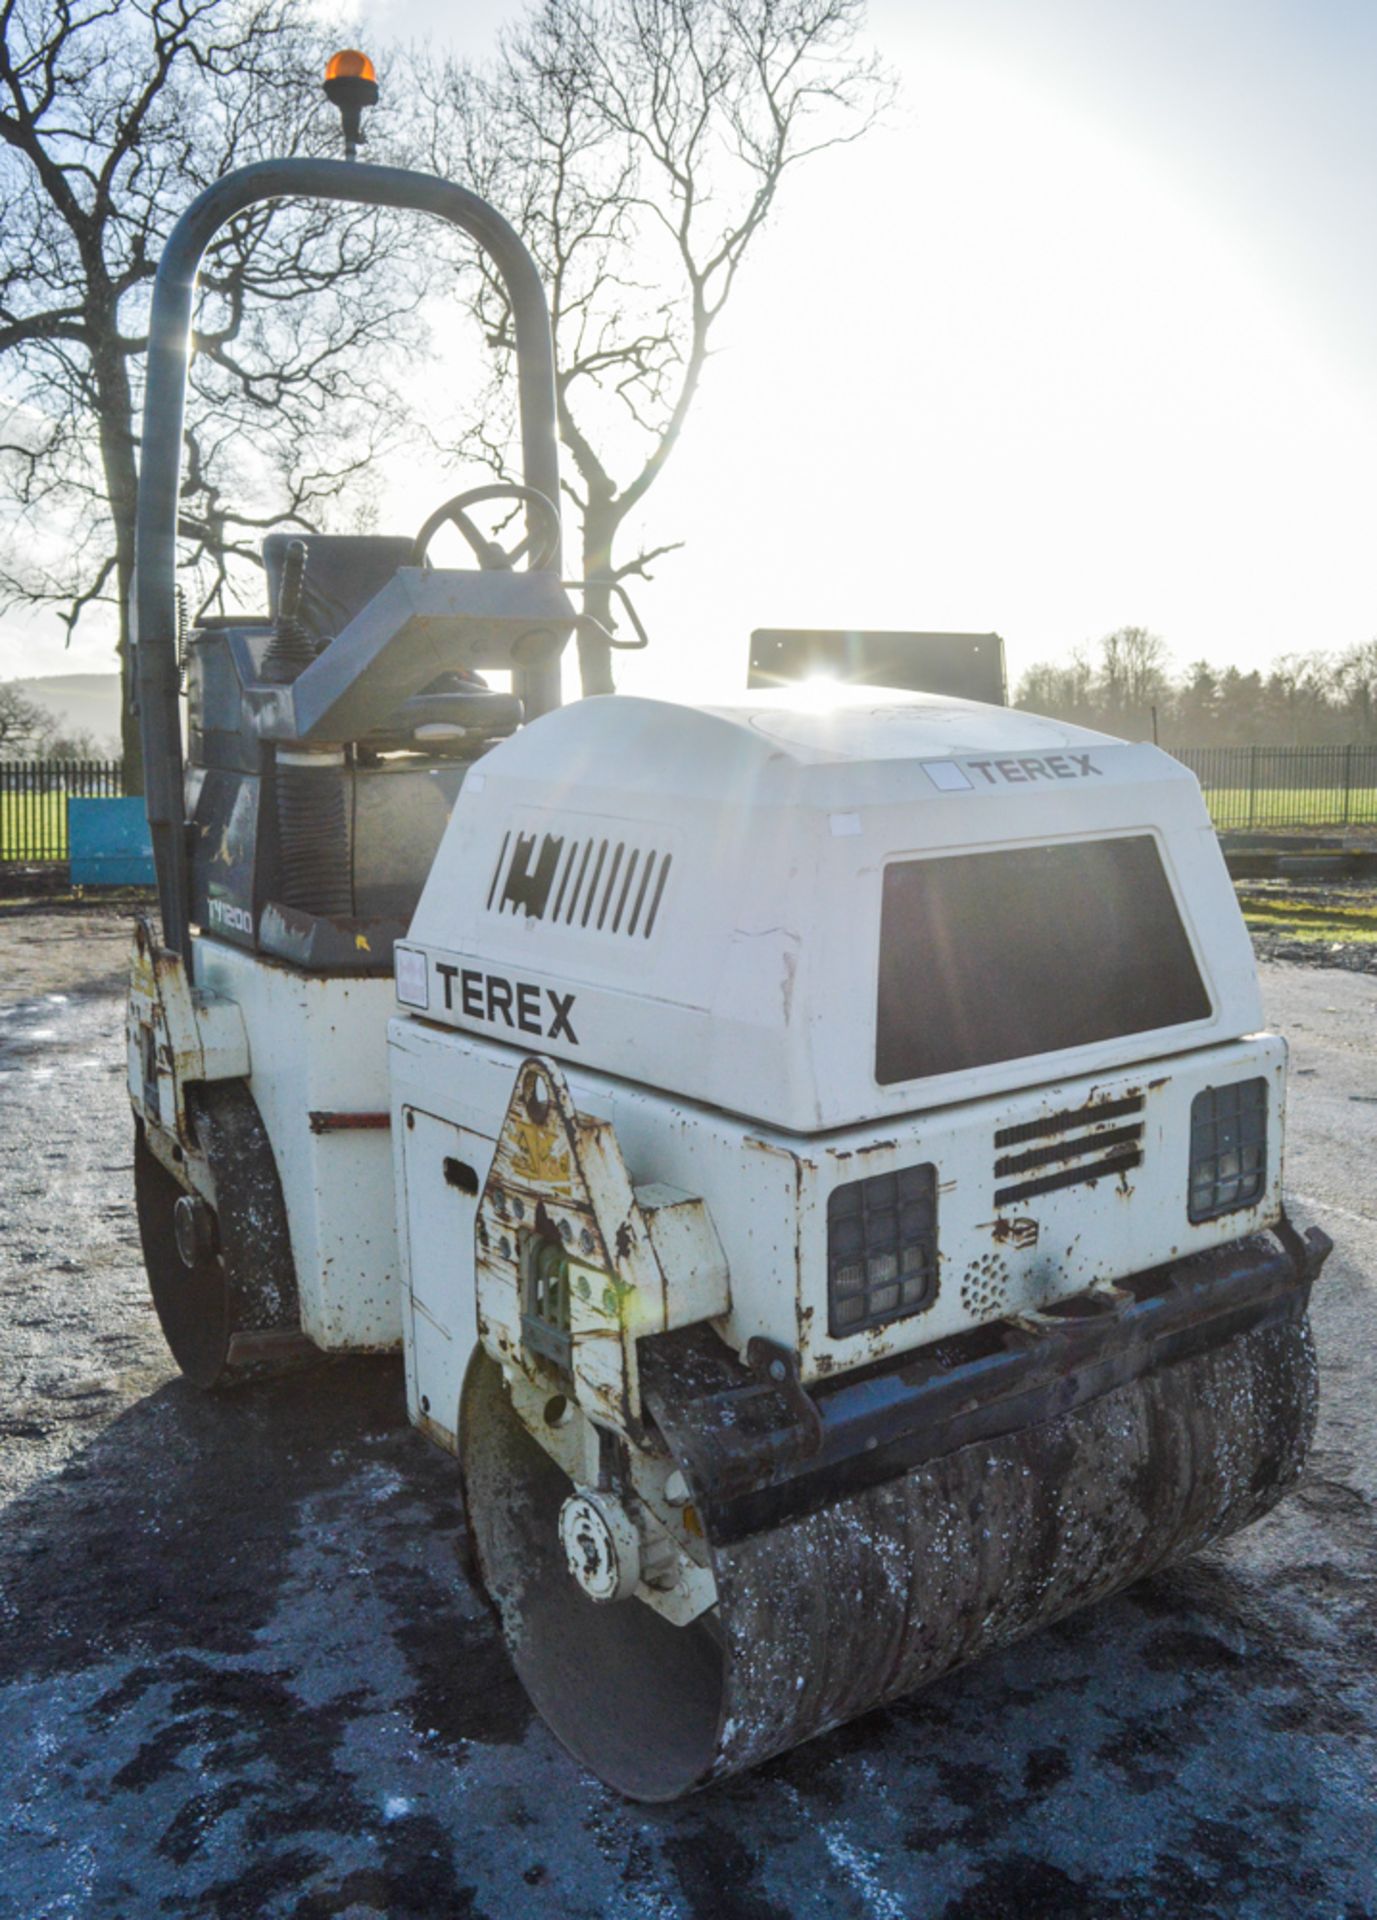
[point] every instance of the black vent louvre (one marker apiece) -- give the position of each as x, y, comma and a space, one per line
1111, 1139
1069, 1120
1071, 1155
604, 884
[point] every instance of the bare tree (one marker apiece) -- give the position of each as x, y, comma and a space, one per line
1298, 698
113, 114
1066, 688
1303, 699
1133, 671
1355, 683
640, 146
1119, 694
26, 725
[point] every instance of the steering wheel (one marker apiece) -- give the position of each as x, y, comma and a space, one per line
542, 542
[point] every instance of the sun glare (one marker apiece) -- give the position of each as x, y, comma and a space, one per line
819, 692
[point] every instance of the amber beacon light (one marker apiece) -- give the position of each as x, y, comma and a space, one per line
352, 84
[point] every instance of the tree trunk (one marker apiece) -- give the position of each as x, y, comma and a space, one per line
131, 740
110, 374
600, 522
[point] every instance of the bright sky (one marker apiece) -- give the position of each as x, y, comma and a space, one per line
1085, 338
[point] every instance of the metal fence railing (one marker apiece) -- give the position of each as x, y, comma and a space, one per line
1254, 788
33, 805
1246, 788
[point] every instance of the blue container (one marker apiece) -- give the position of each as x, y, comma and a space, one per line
109, 843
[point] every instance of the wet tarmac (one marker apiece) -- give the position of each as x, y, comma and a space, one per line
242, 1675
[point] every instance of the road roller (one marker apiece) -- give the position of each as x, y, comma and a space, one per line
819, 1156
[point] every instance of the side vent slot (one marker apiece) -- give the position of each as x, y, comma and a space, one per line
598, 885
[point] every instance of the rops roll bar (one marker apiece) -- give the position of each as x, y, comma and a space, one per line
155, 541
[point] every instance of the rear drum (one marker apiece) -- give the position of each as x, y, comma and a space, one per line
866, 1598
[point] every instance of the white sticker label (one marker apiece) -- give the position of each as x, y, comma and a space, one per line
412, 987
844, 824
947, 777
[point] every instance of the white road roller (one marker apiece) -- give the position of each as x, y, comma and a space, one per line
820, 1159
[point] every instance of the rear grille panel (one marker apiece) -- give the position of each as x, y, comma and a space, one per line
1103, 1153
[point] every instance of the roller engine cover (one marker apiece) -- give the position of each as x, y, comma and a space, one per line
871, 1163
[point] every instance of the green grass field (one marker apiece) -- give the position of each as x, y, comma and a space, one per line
1236, 807
33, 826
1331, 915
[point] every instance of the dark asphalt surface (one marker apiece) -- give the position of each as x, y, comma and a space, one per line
241, 1675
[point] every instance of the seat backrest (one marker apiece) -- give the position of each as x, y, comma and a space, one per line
343, 572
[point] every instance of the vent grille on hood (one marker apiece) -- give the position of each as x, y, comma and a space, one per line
600, 884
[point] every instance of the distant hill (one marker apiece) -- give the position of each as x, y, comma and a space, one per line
81, 703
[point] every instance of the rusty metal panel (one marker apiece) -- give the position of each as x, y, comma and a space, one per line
558, 1182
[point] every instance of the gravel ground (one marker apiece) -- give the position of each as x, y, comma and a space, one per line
46, 951
1337, 904
1348, 956
241, 1674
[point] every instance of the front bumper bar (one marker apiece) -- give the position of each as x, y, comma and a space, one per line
760, 1450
